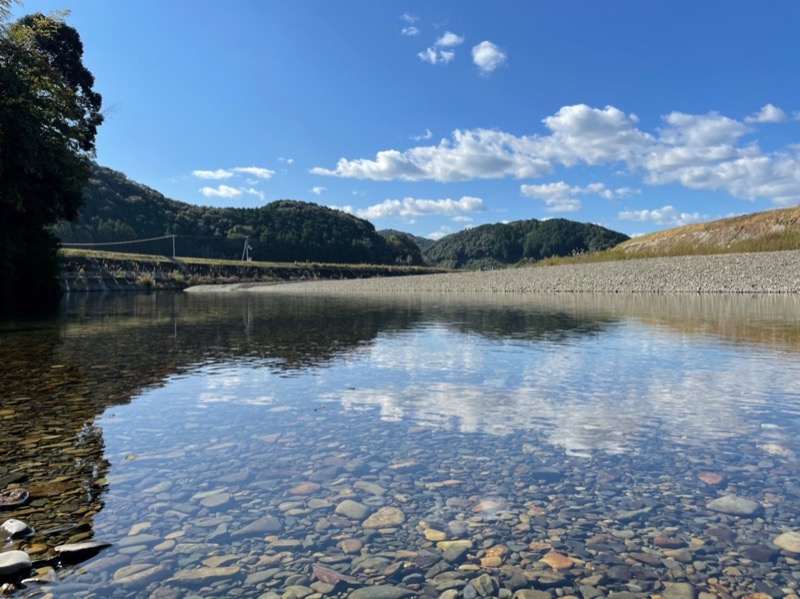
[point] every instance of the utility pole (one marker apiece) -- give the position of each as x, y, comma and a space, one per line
246, 251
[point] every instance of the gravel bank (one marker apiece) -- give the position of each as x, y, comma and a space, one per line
765, 272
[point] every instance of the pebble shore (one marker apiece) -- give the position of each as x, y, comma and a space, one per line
764, 272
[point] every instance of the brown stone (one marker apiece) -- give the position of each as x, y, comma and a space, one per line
557, 561
711, 478
305, 488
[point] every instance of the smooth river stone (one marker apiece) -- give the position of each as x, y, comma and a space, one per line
385, 517
304, 488
383, 591
264, 524
789, 541
369, 487
203, 575
138, 575
734, 505
215, 501
557, 561
15, 529
12, 562
352, 509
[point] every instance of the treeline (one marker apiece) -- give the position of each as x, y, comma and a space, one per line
498, 245
118, 209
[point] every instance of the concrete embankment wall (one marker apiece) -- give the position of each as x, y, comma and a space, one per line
82, 273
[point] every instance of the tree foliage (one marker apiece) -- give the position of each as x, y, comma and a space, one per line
532, 240
118, 209
49, 115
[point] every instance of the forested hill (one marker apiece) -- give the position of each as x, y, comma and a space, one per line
118, 209
503, 244
422, 242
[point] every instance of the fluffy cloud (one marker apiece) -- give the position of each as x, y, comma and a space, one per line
449, 39
487, 57
217, 174
223, 191
663, 216
261, 173
440, 53
412, 207
221, 173
768, 114
704, 151
411, 30
230, 192
317, 190
560, 197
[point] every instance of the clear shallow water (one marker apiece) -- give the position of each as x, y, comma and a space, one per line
580, 426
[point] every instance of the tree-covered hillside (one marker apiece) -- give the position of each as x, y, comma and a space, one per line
118, 209
503, 244
423, 243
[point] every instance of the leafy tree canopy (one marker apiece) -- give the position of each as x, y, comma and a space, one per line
49, 115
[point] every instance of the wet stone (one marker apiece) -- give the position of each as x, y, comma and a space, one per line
789, 541
381, 592
14, 562
265, 524
352, 509
386, 517
13, 529
735, 505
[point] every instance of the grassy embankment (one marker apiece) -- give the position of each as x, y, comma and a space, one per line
770, 231
93, 270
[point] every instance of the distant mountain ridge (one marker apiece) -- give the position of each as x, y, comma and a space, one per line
118, 209
525, 240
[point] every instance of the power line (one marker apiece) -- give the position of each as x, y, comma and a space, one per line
117, 242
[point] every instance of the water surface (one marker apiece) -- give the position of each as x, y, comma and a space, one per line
236, 445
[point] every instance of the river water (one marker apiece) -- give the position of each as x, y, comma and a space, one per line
280, 446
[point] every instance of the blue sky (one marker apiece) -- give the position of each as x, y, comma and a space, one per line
430, 117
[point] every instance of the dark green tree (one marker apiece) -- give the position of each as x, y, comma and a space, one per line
49, 115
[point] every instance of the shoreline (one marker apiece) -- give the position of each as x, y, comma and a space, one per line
753, 273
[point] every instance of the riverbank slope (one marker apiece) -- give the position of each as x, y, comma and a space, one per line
761, 272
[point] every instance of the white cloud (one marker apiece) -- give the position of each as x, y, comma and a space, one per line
560, 197
666, 215
317, 190
697, 151
253, 192
409, 18
411, 207
429, 55
261, 173
487, 57
437, 54
286, 160
223, 191
768, 114
449, 39
427, 134
217, 174
437, 235
411, 30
